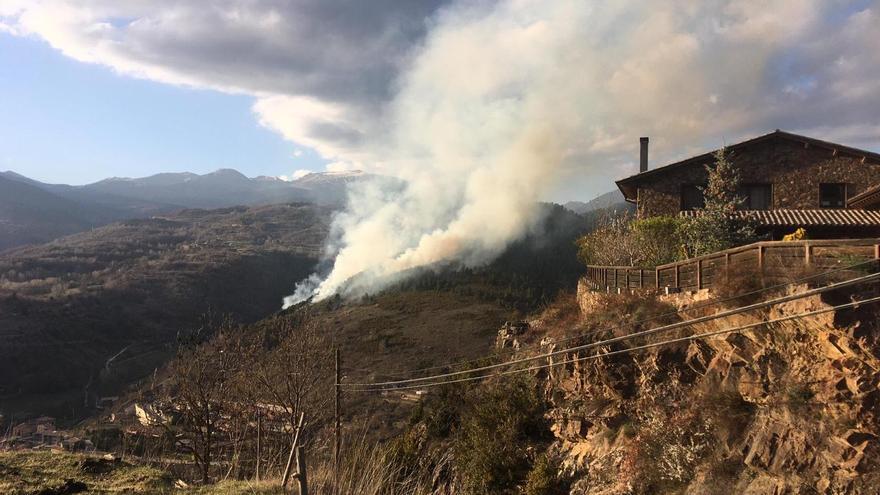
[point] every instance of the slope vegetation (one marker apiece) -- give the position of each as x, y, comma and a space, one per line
124, 291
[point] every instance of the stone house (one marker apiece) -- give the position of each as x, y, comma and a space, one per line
36, 426
787, 181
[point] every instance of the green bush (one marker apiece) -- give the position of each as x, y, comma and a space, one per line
440, 412
501, 421
659, 239
621, 240
545, 478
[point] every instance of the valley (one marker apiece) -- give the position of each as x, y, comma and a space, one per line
129, 289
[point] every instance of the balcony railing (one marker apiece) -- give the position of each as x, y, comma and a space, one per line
769, 258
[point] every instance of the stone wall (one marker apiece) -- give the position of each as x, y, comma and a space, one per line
794, 170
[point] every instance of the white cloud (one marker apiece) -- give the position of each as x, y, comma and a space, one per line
324, 73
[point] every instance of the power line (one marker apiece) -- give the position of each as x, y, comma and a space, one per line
715, 333
723, 314
629, 324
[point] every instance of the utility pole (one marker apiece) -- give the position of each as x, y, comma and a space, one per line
336, 429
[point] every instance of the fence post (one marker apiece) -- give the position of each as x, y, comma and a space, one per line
301, 471
807, 254
626, 278
641, 278
761, 258
876, 255
699, 274
259, 441
293, 450
336, 430
677, 266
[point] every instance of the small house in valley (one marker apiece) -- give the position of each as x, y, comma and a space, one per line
787, 181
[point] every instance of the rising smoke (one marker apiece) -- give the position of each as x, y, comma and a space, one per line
503, 100
476, 142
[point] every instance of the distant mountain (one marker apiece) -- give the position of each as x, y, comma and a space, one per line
218, 189
227, 187
30, 215
603, 201
34, 212
331, 187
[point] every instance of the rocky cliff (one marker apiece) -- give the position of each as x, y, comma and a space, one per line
786, 408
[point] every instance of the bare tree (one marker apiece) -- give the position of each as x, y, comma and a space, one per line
203, 379
295, 376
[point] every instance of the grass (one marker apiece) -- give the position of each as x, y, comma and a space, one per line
366, 469
28, 472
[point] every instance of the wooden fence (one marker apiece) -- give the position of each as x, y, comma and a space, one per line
768, 258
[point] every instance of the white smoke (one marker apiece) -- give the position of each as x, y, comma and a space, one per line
476, 142
503, 101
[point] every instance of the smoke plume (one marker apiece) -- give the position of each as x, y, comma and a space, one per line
476, 144
505, 101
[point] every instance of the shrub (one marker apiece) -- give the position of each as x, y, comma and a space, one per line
440, 412
659, 239
491, 448
621, 240
666, 450
545, 478
610, 243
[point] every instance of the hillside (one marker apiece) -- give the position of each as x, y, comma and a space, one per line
66, 307
787, 407
29, 214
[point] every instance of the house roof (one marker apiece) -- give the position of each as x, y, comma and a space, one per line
806, 218
629, 185
869, 197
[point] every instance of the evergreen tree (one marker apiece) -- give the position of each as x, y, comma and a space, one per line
717, 226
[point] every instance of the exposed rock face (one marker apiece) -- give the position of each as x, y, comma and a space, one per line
507, 336
787, 408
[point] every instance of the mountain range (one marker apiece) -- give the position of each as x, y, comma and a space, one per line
32, 212
608, 200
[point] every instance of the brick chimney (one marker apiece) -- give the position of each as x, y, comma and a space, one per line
643, 154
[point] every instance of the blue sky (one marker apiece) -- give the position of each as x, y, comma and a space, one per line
64, 121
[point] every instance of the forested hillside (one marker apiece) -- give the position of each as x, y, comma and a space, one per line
125, 290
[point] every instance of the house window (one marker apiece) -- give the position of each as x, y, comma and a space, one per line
755, 196
832, 195
691, 197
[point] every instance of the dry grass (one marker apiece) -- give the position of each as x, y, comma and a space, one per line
366, 470
28, 472
370, 469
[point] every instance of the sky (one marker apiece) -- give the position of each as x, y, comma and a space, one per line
97, 88
64, 121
